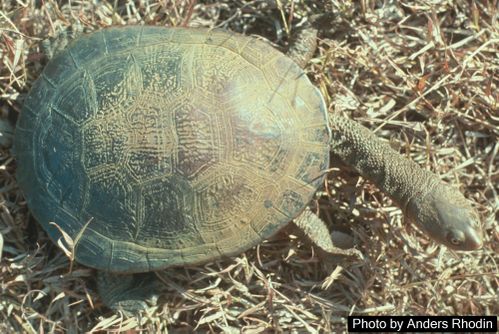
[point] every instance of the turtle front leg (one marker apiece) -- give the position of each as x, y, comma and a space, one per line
129, 293
303, 47
316, 230
304, 41
435, 207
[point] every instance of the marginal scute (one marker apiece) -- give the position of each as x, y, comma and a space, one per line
291, 202
158, 146
117, 42
311, 168
88, 49
41, 93
82, 93
61, 68
60, 167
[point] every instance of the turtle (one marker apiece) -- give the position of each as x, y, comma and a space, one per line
150, 147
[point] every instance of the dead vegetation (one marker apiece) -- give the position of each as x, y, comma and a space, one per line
423, 74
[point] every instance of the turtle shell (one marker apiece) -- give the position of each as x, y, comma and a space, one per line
152, 147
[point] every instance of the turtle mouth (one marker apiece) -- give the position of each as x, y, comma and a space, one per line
473, 240
464, 239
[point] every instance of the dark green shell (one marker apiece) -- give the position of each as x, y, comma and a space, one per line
154, 147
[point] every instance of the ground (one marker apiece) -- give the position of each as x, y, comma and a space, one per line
423, 75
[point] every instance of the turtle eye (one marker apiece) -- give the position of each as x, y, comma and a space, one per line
456, 238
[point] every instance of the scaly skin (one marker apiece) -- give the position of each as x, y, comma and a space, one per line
434, 206
437, 208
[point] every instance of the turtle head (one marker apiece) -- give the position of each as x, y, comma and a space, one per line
447, 217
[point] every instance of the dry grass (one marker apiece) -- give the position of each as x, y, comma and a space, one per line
424, 76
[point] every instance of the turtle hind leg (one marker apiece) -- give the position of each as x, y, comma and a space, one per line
54, 45
130, 293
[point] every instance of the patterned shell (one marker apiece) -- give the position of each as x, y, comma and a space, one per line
152, 147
